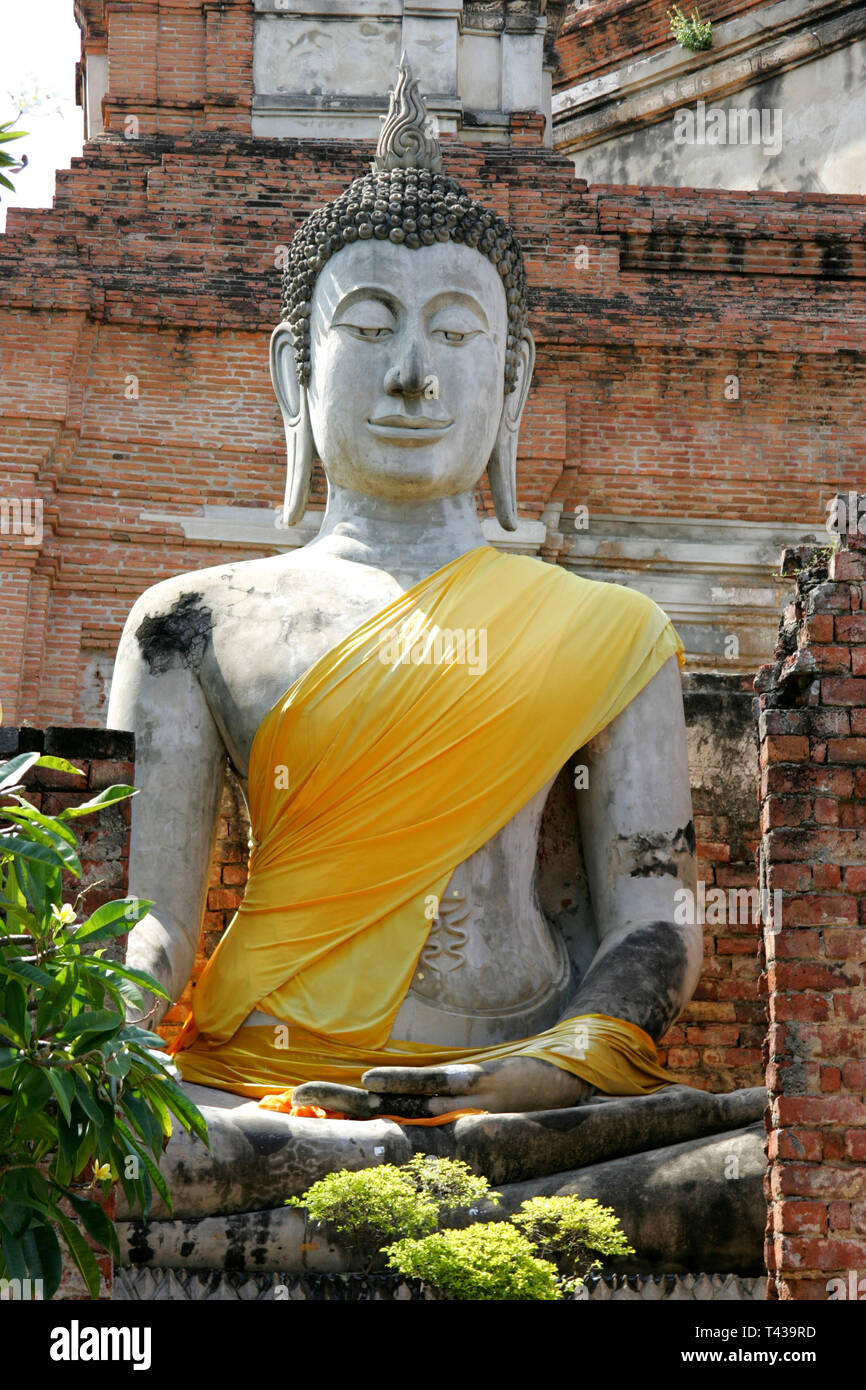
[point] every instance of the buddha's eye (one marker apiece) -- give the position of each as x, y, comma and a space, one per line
455, 335
367, 335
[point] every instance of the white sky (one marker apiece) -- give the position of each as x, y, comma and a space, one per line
41, 43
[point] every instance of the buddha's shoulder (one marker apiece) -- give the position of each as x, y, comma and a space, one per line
210, 589
567, 585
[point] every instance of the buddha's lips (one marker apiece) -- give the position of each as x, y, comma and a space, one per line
411, 422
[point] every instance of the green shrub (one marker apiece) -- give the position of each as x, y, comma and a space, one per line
572, 1232
695, 34
79, 1086
375, 1206
450, 1184
484, 1261
372, 1207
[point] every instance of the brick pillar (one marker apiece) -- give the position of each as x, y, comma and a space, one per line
812, 731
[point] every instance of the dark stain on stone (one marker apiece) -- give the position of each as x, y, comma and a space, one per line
835, 255
187, 1248
736, 252
178, 637
652, 856
140, 1251
638, 979
265, 1142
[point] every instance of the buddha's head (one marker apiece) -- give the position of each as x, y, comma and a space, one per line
403, 358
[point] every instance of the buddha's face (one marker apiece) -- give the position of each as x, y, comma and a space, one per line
407, 353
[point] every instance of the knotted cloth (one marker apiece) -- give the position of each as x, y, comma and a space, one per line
395, 757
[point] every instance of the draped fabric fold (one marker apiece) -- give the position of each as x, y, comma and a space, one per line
392, 760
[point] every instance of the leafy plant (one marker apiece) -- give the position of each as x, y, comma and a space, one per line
450, 1184
572, 1233
542, 1252
484, 1261
80, 1088
372, 1207
694, 33
7, 161
375, 1206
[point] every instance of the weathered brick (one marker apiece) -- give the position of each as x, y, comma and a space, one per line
837, 690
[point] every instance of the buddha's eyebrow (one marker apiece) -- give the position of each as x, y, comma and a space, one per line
378, 292
457, 299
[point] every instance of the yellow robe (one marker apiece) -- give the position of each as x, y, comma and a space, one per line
396, 756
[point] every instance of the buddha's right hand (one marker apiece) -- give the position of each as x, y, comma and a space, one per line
508, 1085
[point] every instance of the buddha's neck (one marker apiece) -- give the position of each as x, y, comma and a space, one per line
409, 539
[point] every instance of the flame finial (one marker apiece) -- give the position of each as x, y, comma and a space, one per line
407, 139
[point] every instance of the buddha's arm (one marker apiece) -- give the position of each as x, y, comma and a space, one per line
639, 848
179, 768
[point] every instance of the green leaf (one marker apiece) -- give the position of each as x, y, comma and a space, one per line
7, 182
81, 1254
119, 792
113, 919
119, 1064
23, 970
54, 1005
151, 1092
95, 1222
13, 1255
84, 1094
153, 1172
50, 825
14, 770
126, 972
136, 1191
14, 1216
190, 1116
15, 1006
90, 1021
29, 849
143, 1119
42, 1250
59, 764
12, 885
63, 1089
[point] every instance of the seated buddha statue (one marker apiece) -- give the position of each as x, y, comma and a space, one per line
397, 698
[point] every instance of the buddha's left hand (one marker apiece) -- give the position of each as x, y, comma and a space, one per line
509, 1085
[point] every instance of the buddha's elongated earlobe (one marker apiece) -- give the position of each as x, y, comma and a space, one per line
294, 407
502, 465
300, 453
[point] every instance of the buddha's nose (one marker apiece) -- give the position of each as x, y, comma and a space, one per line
406, 377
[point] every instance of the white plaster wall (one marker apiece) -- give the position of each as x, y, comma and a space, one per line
323, 68
478, 69
314, 56
95, 88
823, 146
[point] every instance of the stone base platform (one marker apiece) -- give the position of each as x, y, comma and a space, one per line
148, 1285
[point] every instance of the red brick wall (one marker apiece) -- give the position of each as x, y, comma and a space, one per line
598, 35
225, 890
813, 849
173, 65
716, 1043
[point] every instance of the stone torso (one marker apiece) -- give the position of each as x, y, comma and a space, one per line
492, 968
